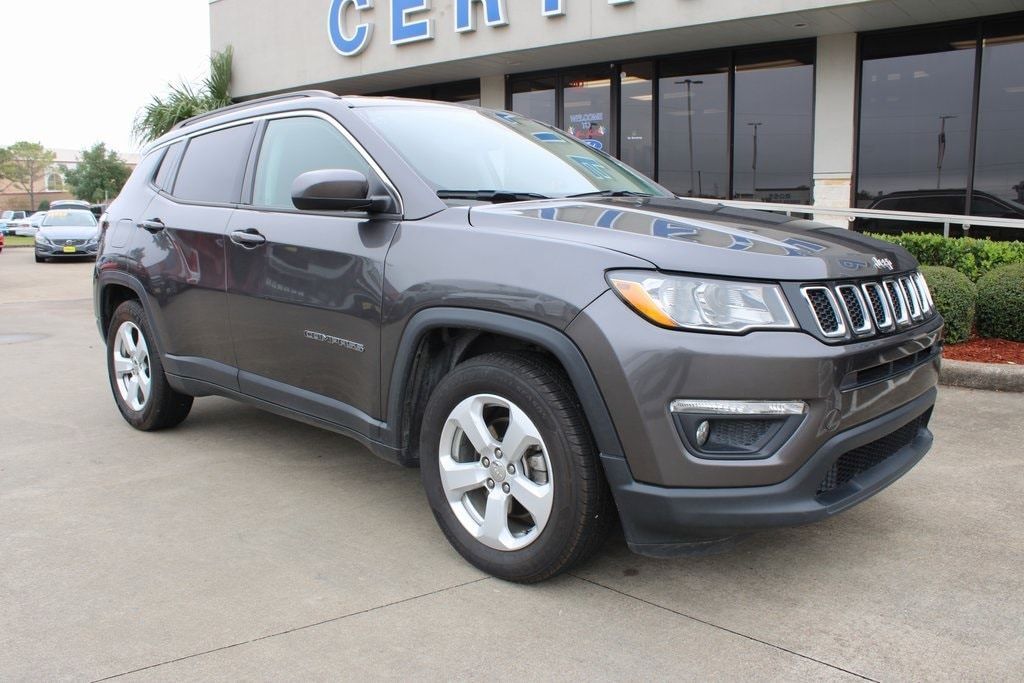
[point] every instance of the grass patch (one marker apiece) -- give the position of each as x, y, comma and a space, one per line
19, 241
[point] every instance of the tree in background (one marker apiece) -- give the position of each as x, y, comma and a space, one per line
99, 176
24, 162
44, 205
185, 100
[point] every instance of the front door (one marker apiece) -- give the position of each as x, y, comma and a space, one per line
305, 289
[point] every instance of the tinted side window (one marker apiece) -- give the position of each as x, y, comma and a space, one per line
295, 146
212, 168
170, 161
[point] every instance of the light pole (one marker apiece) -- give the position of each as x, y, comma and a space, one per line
689, 83
942, 149
753, 165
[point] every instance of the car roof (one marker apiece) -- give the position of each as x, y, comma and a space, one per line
284, 102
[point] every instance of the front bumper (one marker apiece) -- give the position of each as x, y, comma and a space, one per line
57, 251
662, 522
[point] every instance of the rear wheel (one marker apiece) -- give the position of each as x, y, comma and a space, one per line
510, 469
143, 395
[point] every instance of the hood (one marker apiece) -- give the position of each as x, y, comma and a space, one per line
703, 237
56, 233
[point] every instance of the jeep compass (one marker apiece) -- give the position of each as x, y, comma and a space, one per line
552, 338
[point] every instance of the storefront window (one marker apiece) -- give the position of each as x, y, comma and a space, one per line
462, 92
587, 107
670, 118
773, 124
693, 126
915, 115
636, 136
999, 160
535, 98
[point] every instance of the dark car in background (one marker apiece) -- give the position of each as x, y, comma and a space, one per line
946, 202
551, 337
67, 233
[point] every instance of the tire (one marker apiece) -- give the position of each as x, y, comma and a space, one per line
132, 352
570, 508
39, 259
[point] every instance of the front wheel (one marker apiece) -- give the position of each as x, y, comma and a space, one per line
143, 395
510, 469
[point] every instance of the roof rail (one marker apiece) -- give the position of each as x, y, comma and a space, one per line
252, 103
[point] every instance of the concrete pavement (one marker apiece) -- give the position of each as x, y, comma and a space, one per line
245, 546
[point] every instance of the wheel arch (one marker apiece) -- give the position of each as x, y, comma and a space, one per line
462, 333
113, 288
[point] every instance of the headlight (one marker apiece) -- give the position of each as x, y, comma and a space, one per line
41, 239
703, 303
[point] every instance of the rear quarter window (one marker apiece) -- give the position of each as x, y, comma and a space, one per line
213, 165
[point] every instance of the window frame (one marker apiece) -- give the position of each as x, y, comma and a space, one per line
727, 55
982, 29
248, 176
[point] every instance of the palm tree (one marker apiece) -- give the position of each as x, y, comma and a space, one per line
185, 100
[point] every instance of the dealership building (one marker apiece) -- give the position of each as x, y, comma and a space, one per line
824, 102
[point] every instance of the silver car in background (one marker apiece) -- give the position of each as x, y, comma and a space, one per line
67, 233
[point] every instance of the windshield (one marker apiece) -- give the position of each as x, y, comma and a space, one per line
469, 150
69, 217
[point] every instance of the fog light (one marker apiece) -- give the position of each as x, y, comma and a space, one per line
703, 430
725, 429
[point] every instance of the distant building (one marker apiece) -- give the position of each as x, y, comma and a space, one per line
50, 183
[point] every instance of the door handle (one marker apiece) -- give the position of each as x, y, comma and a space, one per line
152, 225
248, 238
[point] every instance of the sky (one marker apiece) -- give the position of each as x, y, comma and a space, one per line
76, 72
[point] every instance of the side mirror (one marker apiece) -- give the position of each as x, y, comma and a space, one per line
336, 189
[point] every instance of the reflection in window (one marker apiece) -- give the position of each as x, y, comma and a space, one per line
636, 140
693, 127
587, 108
915, 115
999, 161
461, 92
773, 125
535, 99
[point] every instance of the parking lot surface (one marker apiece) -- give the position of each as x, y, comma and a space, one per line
246, 546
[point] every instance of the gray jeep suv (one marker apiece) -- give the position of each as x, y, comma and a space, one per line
550, 336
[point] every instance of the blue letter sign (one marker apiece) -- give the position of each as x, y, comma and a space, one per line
405, 31
494, 14
348, 46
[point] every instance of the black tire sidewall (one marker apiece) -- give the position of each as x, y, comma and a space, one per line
145, 419
549, 547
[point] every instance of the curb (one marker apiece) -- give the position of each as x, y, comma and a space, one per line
988, 376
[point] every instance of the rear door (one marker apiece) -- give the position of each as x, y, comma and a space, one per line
181, 242
305, 288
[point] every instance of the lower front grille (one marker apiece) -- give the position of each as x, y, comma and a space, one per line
862, 459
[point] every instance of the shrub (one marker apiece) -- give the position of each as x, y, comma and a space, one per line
955, 296
1001, 303
972, 257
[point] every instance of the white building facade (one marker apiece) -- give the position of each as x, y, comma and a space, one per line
824, 102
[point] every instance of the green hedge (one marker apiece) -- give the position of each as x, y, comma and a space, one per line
972, 257
1001, 303
955, 296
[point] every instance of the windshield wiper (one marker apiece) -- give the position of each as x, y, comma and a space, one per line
496, 196
610, 193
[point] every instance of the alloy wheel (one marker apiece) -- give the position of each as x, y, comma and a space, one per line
496, 472
132, 371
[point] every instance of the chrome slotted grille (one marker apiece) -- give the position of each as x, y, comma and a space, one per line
868, 308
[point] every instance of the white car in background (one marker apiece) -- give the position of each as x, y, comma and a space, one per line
28, 226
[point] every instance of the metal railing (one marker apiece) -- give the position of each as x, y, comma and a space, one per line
944, 219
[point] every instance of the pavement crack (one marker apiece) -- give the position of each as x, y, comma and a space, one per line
291, 630
723, 628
